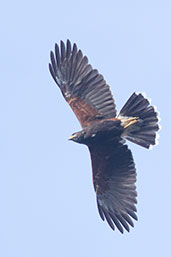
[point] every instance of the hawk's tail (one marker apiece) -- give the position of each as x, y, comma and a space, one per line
140, 120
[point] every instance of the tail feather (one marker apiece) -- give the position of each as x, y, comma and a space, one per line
135, 104
143, 132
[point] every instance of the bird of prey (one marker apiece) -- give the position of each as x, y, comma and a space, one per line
105, 132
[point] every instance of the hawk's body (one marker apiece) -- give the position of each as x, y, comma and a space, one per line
104, 132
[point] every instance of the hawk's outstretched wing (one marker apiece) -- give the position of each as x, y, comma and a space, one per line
114, 178
82, 86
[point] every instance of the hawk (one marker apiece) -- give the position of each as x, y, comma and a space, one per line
104, 132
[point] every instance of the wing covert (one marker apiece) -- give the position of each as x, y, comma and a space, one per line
82, 86
114, 178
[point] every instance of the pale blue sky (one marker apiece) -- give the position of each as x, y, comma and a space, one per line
47, 202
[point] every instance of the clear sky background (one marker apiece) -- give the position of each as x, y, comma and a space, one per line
47, 203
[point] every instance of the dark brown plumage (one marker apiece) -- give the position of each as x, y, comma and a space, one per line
104, 132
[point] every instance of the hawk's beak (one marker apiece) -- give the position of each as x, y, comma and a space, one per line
71, 137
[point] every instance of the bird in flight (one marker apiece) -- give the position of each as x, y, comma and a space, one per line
105, 132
